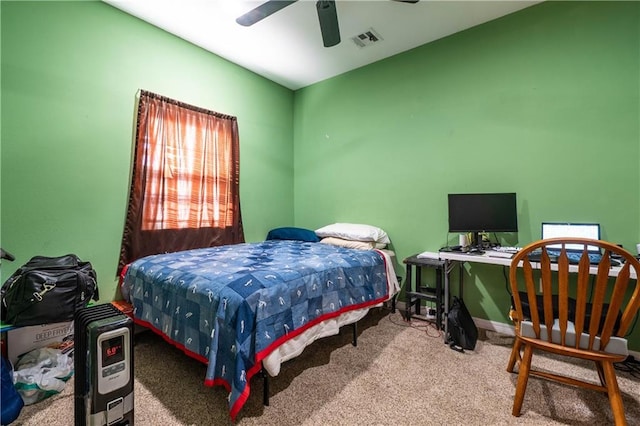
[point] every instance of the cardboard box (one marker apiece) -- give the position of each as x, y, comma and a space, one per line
21, 340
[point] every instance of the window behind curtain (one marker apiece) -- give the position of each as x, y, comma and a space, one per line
185, 180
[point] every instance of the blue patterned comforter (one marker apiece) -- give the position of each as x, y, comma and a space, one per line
230, 306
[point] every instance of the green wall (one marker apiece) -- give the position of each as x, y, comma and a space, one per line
543, 102
70, 73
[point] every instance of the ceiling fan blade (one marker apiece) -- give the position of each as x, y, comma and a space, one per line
328, 18
407, 1
262, 11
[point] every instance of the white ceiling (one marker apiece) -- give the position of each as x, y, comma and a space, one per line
287, 48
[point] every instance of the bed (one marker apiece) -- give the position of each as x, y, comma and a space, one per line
247, 307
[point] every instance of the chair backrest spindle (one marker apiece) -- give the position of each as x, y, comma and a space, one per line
575, 305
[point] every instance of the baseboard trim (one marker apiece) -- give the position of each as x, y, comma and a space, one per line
498, 327
508, 330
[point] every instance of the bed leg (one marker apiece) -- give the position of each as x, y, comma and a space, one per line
354, 342
265, 387
395, 296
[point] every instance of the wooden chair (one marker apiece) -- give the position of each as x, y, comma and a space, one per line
588, 314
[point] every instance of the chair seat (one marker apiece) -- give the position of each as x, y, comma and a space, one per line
616, 345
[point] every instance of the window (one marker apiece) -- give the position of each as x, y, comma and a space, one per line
186, 175
185, 180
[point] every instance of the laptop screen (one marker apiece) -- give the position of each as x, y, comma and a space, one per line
582, 230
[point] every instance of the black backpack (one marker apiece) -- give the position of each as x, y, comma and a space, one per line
463, 333
48, 290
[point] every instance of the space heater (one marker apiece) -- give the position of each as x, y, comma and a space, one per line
103, 361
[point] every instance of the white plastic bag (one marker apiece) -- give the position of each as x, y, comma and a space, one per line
41, 373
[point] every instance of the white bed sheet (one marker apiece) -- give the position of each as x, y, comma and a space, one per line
294, 347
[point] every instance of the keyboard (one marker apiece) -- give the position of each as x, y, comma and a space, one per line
506, 249
502, 254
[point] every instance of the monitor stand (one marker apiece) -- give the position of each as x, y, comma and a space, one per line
475, 245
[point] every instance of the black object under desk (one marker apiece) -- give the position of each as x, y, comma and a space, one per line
415, 292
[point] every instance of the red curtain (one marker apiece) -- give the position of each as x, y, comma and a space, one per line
185, 190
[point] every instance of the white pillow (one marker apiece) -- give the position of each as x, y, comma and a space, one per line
355, 232
360, 245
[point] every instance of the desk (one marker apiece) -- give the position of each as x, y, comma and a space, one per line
458, 258
485, 258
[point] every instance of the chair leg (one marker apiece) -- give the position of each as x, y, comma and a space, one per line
515, 355
523, 377
614, 393
600, 370
517, 344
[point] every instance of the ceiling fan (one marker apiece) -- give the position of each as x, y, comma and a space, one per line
327, 16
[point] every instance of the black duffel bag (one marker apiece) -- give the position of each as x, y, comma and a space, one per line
47, 290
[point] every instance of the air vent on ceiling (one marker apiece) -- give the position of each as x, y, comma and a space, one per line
367, 38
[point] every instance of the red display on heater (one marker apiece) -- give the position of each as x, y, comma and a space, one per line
112, 350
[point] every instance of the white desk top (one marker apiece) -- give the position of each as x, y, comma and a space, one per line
486, 258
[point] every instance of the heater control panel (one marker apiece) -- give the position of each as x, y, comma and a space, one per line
114, 361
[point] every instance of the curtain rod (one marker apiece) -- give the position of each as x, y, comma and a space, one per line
185, 105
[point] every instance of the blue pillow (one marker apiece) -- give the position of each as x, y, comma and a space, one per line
290, 233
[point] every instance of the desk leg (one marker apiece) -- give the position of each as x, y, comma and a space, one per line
448, 267
461, 279
417, 288
407, 290
439, 298
447, 274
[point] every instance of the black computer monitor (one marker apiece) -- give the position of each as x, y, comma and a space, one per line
483, 212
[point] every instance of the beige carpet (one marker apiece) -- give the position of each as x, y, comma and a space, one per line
397, 375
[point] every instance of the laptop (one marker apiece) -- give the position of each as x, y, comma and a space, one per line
574, 251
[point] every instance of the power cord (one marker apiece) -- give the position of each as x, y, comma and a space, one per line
506, 280
429, 328
629, 365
